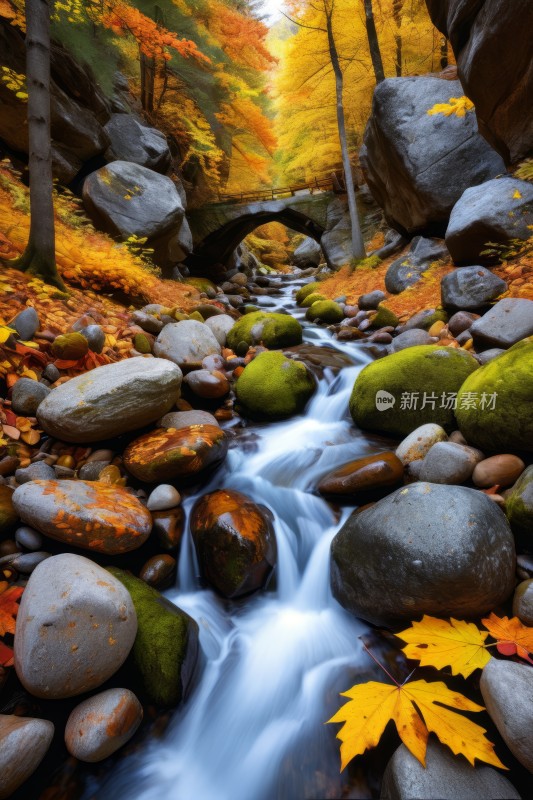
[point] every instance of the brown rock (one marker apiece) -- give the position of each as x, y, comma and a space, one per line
206, 384
167, 453
503, 470
168, 528
235, 542
158, 571
363, 475
523, 602
8, 514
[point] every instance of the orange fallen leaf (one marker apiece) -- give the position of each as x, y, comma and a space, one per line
6, 655
9, 609
513, 637
11, 431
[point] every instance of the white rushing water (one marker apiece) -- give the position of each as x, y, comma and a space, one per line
272, 663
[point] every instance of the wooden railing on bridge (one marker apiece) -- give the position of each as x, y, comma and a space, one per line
331, 184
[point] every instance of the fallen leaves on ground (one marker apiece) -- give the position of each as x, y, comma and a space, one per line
8, 607
417, 708
439, 643
513, 638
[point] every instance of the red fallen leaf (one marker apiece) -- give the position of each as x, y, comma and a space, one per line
23, 350
11, 418
64, 363
6, 655
9, 608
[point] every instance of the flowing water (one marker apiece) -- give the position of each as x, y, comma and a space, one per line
273, 663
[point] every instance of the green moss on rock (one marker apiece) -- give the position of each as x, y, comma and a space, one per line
504, 423
274, 387
273, 330
314, 297
325, 311
166, 646
306, 290
384, 317
202, 284
429, 369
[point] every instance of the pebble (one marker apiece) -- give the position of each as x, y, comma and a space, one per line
523, 602
95, 337
147, 322
507, 690
27, 395
411, 338
371, 300
208, 385
163, 497
91, 470
419, 442
503, 470
214, 362
29, 538
92, 515
220, 326
26, 323
102, 724
461, 321
51, 373
457, 437
8, 513
168, 528
158, 571
75, 627
25, 563
24, 742
363, 475
183, 419
100, 455
8, 465
449, 463
489, 355
39, 471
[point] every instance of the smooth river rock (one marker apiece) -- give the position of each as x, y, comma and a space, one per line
445, 777
235, 542
100, 725
101, 517
424, 549
23, 745
363, 475
110, 400
415, 446
450, 463
75, 628
507, 690
186, 343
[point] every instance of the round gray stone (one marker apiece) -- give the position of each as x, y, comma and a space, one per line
24, 742
220, 327
424, 549
110, 400
75, 627
27, 396
163, 497
182, 419
450, 463
102, 724
186, 343
26, 324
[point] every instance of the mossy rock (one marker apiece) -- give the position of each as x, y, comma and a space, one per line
274, 387
519, 510
325, 311
70, 346
165, 650
314, 297
384, 317
273, 330
142, 343
306, 290
429, 369
509, 425
197, 316
202, 284
425, 319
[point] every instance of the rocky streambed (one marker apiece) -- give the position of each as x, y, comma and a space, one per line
224, 473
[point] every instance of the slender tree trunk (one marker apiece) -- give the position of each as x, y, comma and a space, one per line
397, 9
358, 247
39, 256
147, 82
373, 43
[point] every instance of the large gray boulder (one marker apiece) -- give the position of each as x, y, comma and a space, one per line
494, 212
336, 242
186, 343
507, 690
424, 549
75, 627
132, 140
307, 254
445, 777
125, 199
417, 166
507, 323
470, 289
110, 400
501, 88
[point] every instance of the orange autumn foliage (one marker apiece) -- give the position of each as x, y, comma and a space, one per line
242, 37
8, 607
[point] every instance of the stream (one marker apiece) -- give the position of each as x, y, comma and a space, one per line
272, 663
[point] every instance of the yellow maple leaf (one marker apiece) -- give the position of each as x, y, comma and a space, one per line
458, 106
512, 637
414, 710
439, 643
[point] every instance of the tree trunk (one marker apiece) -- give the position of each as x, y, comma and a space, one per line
39, 256
373, 43
397, 8
147, 82
358, 247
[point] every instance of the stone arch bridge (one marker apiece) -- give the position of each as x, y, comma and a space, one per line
219, 228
